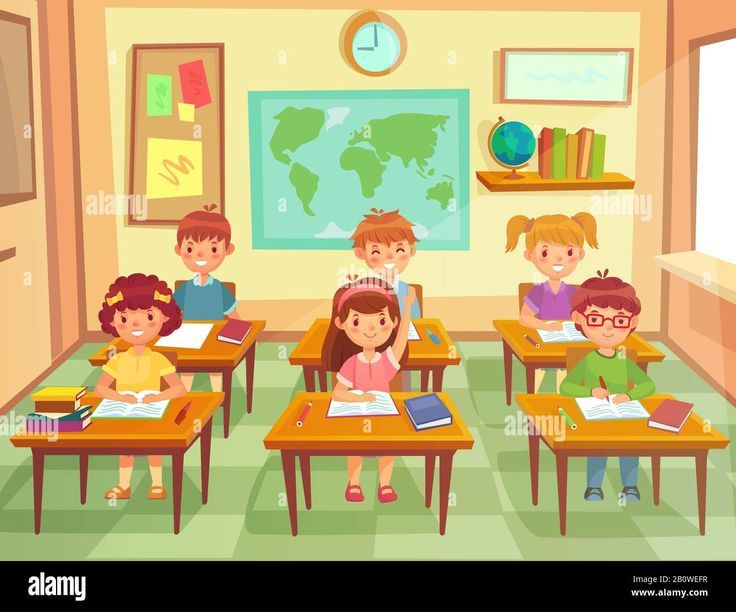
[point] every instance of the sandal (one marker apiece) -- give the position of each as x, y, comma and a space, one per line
354, 493
117, 492
386, 494
156, 492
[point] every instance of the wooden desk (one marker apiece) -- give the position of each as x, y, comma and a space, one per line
214, 356
389, 435
631, 438
130, 437
424, 355
553, 354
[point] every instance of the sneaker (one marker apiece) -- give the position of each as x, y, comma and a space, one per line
593, 494
631, 494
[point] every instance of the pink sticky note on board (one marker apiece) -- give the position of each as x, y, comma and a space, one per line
194, 88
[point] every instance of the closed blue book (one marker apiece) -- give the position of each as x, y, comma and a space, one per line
427, 411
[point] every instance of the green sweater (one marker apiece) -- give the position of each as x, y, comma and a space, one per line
617, 371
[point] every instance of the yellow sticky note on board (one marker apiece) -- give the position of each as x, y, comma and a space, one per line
186, 112
173, 168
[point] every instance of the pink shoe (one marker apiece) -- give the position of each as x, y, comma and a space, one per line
354, 493
386, 494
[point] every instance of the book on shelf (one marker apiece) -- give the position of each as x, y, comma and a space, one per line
544, 153
585, 144
559, 152
597, 156
571, 162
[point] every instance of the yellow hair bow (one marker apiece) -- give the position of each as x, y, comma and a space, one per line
161, 297
118, 297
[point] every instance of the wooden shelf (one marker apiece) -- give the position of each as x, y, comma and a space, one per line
496, 181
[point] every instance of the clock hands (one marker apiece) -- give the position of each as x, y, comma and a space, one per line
375, 40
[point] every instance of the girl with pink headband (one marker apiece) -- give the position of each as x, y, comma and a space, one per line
366, 346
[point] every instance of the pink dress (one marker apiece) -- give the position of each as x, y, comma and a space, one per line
359, 374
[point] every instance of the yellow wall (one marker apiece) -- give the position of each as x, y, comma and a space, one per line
467, 288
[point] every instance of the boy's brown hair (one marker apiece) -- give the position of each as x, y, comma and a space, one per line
204, 225
384, 228
606, 291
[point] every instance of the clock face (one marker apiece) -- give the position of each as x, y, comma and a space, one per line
376, 47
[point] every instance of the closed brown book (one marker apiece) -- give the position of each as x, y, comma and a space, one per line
585, 146
234, 331
544, 153
670, 415
59, 407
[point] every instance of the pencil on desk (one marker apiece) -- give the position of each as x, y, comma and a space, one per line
304, 414
568, 418
531, 341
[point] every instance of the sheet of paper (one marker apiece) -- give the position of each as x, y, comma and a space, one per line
413, 333
194, 87
158, 95
173, 168
186, 112
595, 409
384, 405
567, 334
188, 336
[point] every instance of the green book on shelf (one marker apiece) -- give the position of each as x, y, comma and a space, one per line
559, 152
597, 156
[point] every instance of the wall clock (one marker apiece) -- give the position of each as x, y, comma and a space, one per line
373, 43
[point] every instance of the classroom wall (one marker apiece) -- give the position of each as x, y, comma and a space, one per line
465, 289
700, 323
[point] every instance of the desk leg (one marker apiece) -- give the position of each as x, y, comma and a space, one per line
304, 466
227, 387
250, 366
322, 375
655, 479
437, 376
288, 459
701, 470
177, 475
309, 378
445, 474
83, 471
424, 379
205, 444
507, 365
534, 462
643, 365
429, 461
562, 490
530, 379
38, 460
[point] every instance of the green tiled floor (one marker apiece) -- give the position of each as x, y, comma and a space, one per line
490, 515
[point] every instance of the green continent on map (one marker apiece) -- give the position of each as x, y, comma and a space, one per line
441, 192
296, 127
305, 182
408, 136
366, 165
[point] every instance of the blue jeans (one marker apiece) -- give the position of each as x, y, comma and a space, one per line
629, 467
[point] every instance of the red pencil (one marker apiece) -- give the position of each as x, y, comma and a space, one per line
303, 417
603, 385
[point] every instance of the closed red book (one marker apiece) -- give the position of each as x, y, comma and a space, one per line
234, 331
544, 153
670, 415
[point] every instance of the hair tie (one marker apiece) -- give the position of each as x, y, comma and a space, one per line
360, 289
119, 297
529, 225
161, 297
580, 223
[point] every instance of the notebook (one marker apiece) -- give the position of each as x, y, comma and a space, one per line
383, 406
595, 409
670, 415
234, 331
188, 336
568, 333
427, 411
113, 409
413, 333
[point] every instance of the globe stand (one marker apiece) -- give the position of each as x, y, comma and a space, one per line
514, 175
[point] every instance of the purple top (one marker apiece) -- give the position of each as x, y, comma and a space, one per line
548, 305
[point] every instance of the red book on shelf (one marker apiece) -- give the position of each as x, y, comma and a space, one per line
544, 153
670, 415
234, 331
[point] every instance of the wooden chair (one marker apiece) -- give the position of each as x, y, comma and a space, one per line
575, 354
227, 284
420, 298
525, 288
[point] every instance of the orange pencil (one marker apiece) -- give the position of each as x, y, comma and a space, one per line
603, 385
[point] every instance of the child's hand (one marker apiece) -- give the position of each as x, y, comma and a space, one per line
411, 295
128, 399
600, 393
366, 397
621, 398
150, 398
554, 325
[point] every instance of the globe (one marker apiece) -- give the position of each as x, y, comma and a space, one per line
511, 144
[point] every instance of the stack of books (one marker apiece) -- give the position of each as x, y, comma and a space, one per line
59, 410
572, 156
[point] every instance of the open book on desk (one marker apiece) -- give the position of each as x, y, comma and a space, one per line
114, 409
383, 406
595, 409
568, 333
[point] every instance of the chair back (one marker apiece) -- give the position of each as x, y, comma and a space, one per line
420, 298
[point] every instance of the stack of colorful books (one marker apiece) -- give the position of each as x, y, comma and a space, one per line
570, 156
59, 410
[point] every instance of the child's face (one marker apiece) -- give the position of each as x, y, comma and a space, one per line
204, 256
368, 331
555, 261
139, 327
605, 327
387, 258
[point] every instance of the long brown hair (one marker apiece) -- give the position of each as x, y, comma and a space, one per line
338, 348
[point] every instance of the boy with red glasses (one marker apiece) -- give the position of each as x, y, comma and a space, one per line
605, 310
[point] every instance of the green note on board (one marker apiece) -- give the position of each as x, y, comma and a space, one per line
158, 95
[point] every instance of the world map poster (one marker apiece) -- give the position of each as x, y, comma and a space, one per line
320, 160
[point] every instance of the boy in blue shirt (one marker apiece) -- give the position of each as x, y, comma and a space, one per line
203, 242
